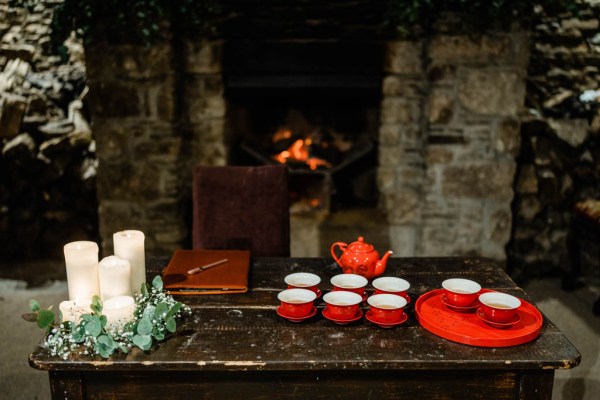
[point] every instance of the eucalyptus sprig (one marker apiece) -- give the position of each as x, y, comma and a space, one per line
156, 314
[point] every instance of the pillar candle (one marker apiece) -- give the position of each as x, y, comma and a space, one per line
115, 277
118, 311
72, 310
81, 259
129, 245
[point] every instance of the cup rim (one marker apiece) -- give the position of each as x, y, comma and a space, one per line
511, 301
360, 280
379, 283
314, 279
353, 298
305, 295
400, 302
472, 286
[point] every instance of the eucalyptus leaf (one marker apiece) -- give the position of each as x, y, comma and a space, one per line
174, 310
45, 318
30, 317
96, 305
159, 336
144, 342
103, 321
94, 327
161, 308
87, 317
34, 305
144, 289
157, 282
171, 325
144, 327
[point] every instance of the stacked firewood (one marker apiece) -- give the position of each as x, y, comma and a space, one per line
47, 160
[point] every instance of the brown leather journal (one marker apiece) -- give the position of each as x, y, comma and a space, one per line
225, 278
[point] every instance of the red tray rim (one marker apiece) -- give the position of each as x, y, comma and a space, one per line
479, 340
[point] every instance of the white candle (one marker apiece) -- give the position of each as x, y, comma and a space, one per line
115, 277
129, 245
72, 310
81, 259
118, 311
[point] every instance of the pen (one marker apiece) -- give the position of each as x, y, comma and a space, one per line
205, 267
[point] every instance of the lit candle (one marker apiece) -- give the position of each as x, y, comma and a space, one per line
129, 245
118, 311
81, 259
72, 310
115, 277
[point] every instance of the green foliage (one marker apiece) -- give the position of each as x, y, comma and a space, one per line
408, 17
131, 21
156, 315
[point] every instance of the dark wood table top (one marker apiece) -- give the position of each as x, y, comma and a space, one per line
242, 332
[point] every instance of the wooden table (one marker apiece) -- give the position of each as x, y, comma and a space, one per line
237, 347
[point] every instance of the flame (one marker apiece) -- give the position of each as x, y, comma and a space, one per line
298, 151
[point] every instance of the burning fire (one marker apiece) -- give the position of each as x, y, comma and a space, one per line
299, 151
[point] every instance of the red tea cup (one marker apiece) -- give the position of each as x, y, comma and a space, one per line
461, 292
349, 283
303, 280
499, 307
391, 285
342, 304
296, 303
386, 308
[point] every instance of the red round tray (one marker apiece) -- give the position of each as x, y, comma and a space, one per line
468, 328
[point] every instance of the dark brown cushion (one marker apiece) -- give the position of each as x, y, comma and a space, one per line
242, 208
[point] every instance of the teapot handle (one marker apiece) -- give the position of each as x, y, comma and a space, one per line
342, 246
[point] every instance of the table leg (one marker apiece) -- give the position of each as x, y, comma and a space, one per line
66, 385
536, 385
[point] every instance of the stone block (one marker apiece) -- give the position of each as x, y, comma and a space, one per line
491, 92
462, 49
165, 149
115, 99
390, 156
441, 73
389, 134
401, 86
203, 56
403, 240
386, 179
508, 138
492, 180
404, 57
128, 62
497, 223
397, 110
113, 138
438, 155
403, 207
440, 109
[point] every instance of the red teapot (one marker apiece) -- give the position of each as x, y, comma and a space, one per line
360, 258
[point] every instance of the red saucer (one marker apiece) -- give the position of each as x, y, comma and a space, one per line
358, 316
384, 324
297, 319
499, 325
464, 309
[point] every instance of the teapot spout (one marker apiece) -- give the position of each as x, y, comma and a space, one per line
381, 264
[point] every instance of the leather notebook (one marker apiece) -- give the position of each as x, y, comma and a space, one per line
225, 278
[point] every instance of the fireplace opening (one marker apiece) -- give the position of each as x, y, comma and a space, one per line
327, 139
313, 106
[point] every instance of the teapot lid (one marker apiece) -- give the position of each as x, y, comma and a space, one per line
360, 246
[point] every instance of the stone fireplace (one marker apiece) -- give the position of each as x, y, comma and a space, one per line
441, 114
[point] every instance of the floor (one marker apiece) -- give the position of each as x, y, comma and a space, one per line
570, 311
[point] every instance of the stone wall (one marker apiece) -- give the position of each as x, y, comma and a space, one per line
449, 135
560, 153
157, 111
47, 152
450, 144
